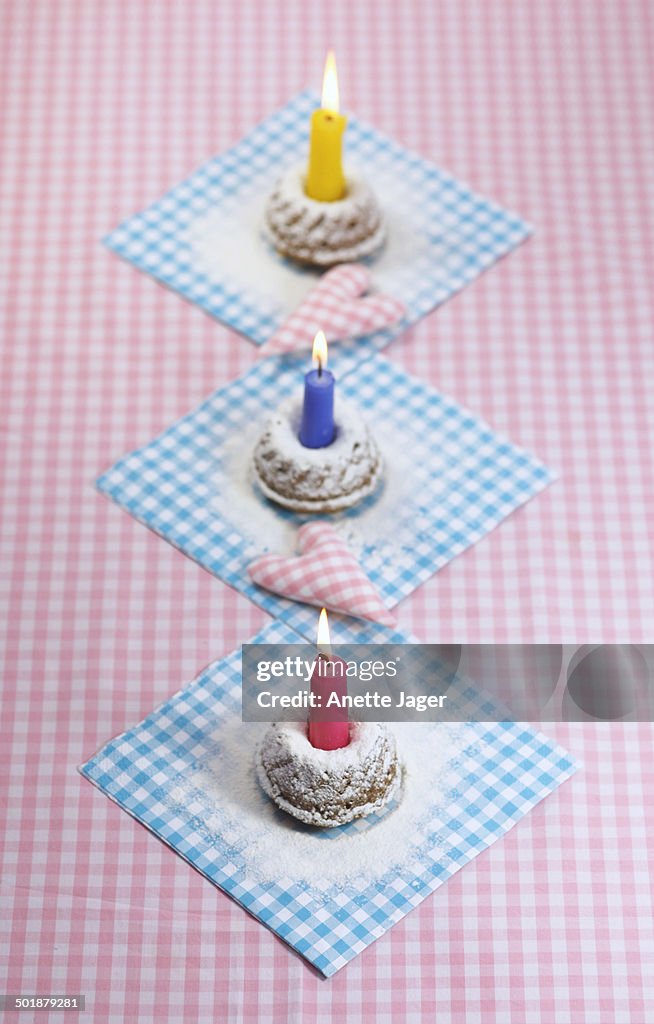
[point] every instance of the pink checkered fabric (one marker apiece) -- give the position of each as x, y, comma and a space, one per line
545, 107
338, 306
325, 574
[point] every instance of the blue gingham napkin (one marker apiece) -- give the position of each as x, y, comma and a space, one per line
172, 773
449, 480
203, 238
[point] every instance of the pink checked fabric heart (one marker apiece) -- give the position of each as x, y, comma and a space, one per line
338, 307
325, 573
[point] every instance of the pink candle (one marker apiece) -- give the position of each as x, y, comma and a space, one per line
329, 728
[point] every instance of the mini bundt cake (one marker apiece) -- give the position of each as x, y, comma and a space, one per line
319, 233
316, 479
329, 787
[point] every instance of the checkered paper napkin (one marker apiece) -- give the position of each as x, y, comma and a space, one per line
169, 773
449, 480
203, 238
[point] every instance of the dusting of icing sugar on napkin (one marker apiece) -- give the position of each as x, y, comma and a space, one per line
223, 793
203, 237
187, 773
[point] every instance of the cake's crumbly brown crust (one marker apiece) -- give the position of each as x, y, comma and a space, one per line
323, 234
310, 790
316, 480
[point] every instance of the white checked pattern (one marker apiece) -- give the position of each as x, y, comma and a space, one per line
338, 307
179, 241
463, 480
324, 573
503, 772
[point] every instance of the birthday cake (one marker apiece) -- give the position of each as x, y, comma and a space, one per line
317, 215
329, 787
320, 233
326, 479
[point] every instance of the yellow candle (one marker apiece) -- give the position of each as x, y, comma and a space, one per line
325, 178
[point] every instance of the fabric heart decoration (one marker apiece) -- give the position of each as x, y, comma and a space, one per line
324, 574
338, 306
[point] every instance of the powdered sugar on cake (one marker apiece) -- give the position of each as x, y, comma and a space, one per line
329, 787
316, 479
320, 233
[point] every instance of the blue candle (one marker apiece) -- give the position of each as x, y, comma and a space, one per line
317, 427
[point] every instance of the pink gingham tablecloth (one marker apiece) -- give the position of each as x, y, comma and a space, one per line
546, 107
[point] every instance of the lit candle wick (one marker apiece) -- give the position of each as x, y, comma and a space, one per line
317, 425
325, 180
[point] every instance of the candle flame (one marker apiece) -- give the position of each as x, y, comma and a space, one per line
320, 350
330, 100
324, 639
